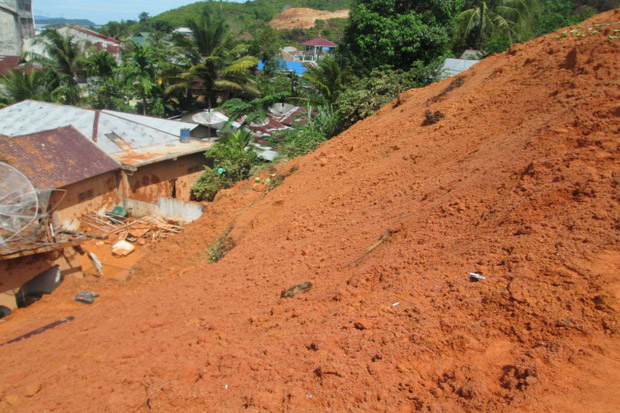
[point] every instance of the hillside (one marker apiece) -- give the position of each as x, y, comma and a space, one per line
304, 18
249, 13
517, 180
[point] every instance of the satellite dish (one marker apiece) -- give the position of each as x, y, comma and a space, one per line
213, 119
19, 203
281, 108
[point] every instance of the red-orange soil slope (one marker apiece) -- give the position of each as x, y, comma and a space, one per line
304, 18
519, 181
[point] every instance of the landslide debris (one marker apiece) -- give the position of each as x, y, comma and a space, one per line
518, 183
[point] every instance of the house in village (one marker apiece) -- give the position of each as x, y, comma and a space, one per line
316, 49
85, 36
154, 158
90, 161
72, 175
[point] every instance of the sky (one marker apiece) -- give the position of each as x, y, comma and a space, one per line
102, 11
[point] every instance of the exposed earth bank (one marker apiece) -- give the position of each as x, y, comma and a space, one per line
304, 18
517, 180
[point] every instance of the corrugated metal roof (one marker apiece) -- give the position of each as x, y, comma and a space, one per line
319, 41
56, 158
116, 131
453, 67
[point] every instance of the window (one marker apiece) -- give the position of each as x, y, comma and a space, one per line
86, 195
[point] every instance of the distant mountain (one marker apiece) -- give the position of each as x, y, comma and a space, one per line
43, 20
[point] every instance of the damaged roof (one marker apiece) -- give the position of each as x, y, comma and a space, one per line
114, 132
55, 158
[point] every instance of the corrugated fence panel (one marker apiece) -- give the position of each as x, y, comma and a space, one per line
165, 207
186, 211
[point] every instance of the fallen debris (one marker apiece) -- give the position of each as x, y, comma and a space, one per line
382, 239
39, 330
299, 288
122, 248
86, 297
473, 277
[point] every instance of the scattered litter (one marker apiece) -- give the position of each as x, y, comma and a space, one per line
86, 297
96, 263
299, 288
309, 396
122, 248
473, 277
226, 387
395, 304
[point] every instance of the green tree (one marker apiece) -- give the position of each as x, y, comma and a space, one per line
64, 58
107, 89
396, 33
142, 72
232, 158
329, 78
215, 64
18, 85
511, 19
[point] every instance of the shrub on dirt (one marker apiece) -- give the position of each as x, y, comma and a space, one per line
233, 158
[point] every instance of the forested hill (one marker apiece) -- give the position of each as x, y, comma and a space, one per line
249, 12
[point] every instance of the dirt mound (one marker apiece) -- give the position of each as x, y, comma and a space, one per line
304, 18
517, 181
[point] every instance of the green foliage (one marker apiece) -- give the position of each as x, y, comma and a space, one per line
255, 110
243, 16
561, 13
214, 64
207, 185
234, 154
513, 20
396, 34
16, 86
106, 89
222, 245
64, 61
328, 77
308, 137
368, 94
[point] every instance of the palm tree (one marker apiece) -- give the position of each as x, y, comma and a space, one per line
141, 71
214, 64
328, 77
64, 58
16, 86
105, 84
511, 18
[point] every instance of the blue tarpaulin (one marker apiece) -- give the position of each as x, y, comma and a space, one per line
293, 66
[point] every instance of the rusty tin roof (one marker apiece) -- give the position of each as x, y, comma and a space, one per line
55, 158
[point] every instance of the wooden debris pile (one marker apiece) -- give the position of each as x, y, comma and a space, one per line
148, 227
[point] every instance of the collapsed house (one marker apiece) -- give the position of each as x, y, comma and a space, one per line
89, 161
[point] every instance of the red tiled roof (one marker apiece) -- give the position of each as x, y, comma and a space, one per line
92, 33
8, 63
320, 42
56, 158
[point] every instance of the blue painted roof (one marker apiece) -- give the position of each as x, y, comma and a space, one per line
294, 66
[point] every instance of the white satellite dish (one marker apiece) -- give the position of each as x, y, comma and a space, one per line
281, 108
212, 119
19, 203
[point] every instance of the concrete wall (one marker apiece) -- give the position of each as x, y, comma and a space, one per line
10, 39
16, 272
167, 208
152, 181
68, 206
